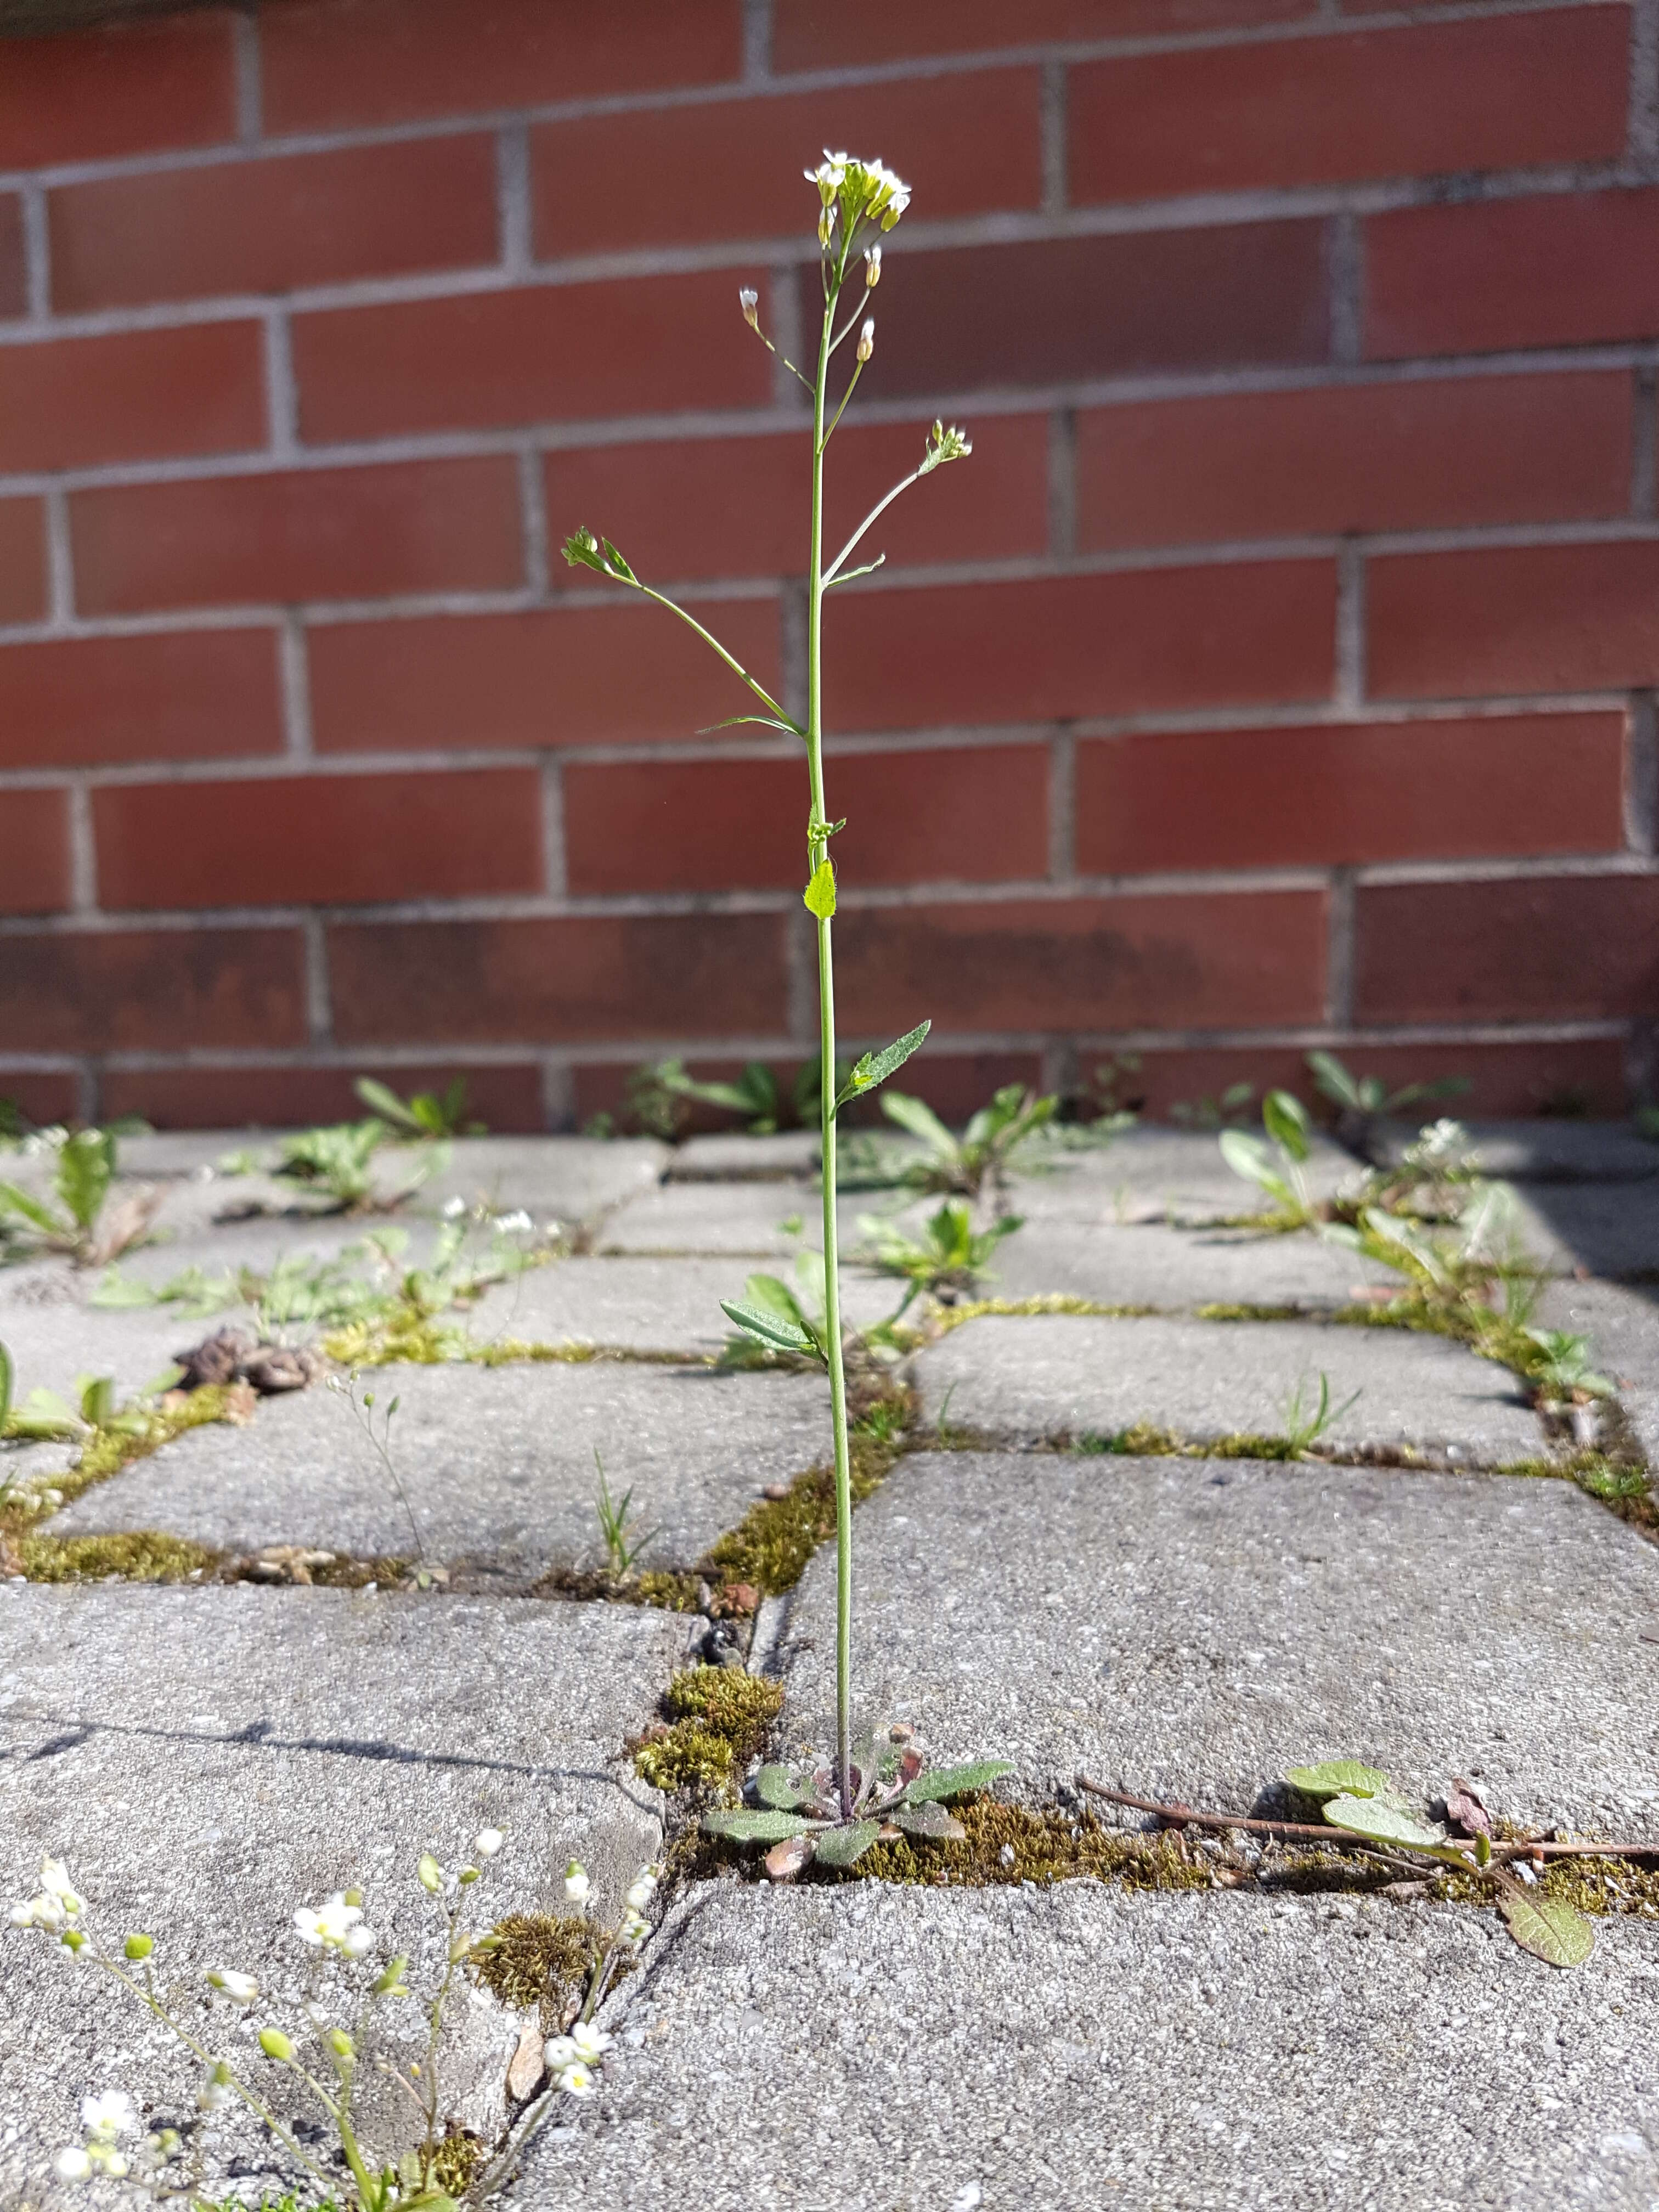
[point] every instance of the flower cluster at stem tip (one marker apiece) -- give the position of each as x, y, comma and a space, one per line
853, 191
570, 2058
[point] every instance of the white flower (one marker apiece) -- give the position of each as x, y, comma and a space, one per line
514, 1224
577, 2081
867, 338
215, 2090
590, 2042
641, 1890
72, 2164
42, 1912
333, 1925
634, 1927
487, 1843
749, 300
829, 176
359, 1942
454, 1208
872, 268
558, 2052
109, 2115
240, 1989
577, 1883
54, 1879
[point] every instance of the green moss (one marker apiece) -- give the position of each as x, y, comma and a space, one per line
1053, 1302
530, 1957
722, 1717
1144, 1440
688, 1757
144, 1555
414, 1338
135, 1436
456, 2159
1007, 1845
769, 1547
1234, 1311
666, 1587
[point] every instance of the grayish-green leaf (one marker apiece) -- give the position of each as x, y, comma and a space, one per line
747, 1827
1338, 1778
1548, 1927
775, 1786
1383, 1822
769, 1329
947, 1781
930, 1820
842, 1847
874, 1068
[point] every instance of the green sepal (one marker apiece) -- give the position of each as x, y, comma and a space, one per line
819, 897
1548, 1927
843, 1847
874, 1068
747, 1827
581, 550
947, 1781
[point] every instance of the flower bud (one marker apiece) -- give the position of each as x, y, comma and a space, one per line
139, 1947
431, 1873
488, 1842
72, 2164
275, 2044
73, 1940
240, 1989
749, 302
872, 268
867, 338
391, 1982
340, 2043
577, 1884
354, 1897
216, 2090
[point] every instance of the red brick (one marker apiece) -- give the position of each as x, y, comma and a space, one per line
740, 506
1566, 269
313, 534
632, 348
183, 696
124, 88
971, 143
337, 839
573, 979
42, 1096
329, 64
577, 676
34, 877
831, 33
22, 560
969, 816
1577, 948
1154, 962
1350, 794
14, 281
1422, 454
1063, 308
268, 226
505, 1098
1512, 619
71, 403
954, 1083
153, 990
1058, 647
1500, 92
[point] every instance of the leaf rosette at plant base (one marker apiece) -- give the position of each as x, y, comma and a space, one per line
893, 1793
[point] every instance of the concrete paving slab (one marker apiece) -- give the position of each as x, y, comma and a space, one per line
1149, 1263
1545, 1151
1623, 1327
565, 1179
1596, 1229
1189, 1628
733, 1157
53, 1342
1079, 2047
648, 1305
1153, 1175
767, 1220
207, 1760
1031, 1377
497, 1465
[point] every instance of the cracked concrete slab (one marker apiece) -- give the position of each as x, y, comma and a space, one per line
1028, 1377
1081, 2047
1592, 1228
1544, 1150
207, 1760
648, 1305
764, 1220
1148, 1263
497, 1465
1190, 1628
1149, 1174
1623, 1327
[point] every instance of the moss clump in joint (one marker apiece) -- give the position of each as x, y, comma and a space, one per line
141, 1555
721, 1716
536, 1959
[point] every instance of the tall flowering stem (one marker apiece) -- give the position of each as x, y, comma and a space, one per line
857, 200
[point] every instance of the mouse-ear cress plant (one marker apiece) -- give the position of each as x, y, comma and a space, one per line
859, 202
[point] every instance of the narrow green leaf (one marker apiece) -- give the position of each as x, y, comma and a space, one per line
874, 1068
770, 721
842, 1847
919, 1118
1548, 1927
947, 1781
1382, 1822
1340, 1778
747, 1827
31, 1208
1285, 1120
386, 1103
614, 565
777, 1334
1247, 1156
819, 897
930, 1819
775, 1786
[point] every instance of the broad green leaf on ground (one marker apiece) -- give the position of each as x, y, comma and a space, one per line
775, 1786
930, 1819
1548, 1927
1338, 1778
1383, 1822
841, 1847
874, 1068
1248, 1156
747, 1827
769, 1329
819, 897
946, 1782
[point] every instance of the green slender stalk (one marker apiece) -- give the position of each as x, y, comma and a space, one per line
819, 843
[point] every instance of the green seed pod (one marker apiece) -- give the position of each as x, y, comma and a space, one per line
139, 1947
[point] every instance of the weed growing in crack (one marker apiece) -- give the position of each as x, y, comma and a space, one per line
1278, 1166
380, 1442
1306, 1418
616, 1525
335, 1163
859, 201
1363, 1101
427, 1118
946, 1259
81, 1223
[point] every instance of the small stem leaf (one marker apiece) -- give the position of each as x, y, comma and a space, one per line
842, 1847
770, 721
746, 1827
775, 1786
614, 565
1340, 1778
1381, 1822
790, 1857
1548, 1927
930, 1819
874, 1068
947, 1781
769, 1329
819, 897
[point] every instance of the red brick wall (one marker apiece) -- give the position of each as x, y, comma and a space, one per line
1280, 669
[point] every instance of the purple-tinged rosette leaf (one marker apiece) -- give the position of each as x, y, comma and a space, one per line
932, 1821
843, 1847
744, 1827
775, 1786
948, 1781
791, 1857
